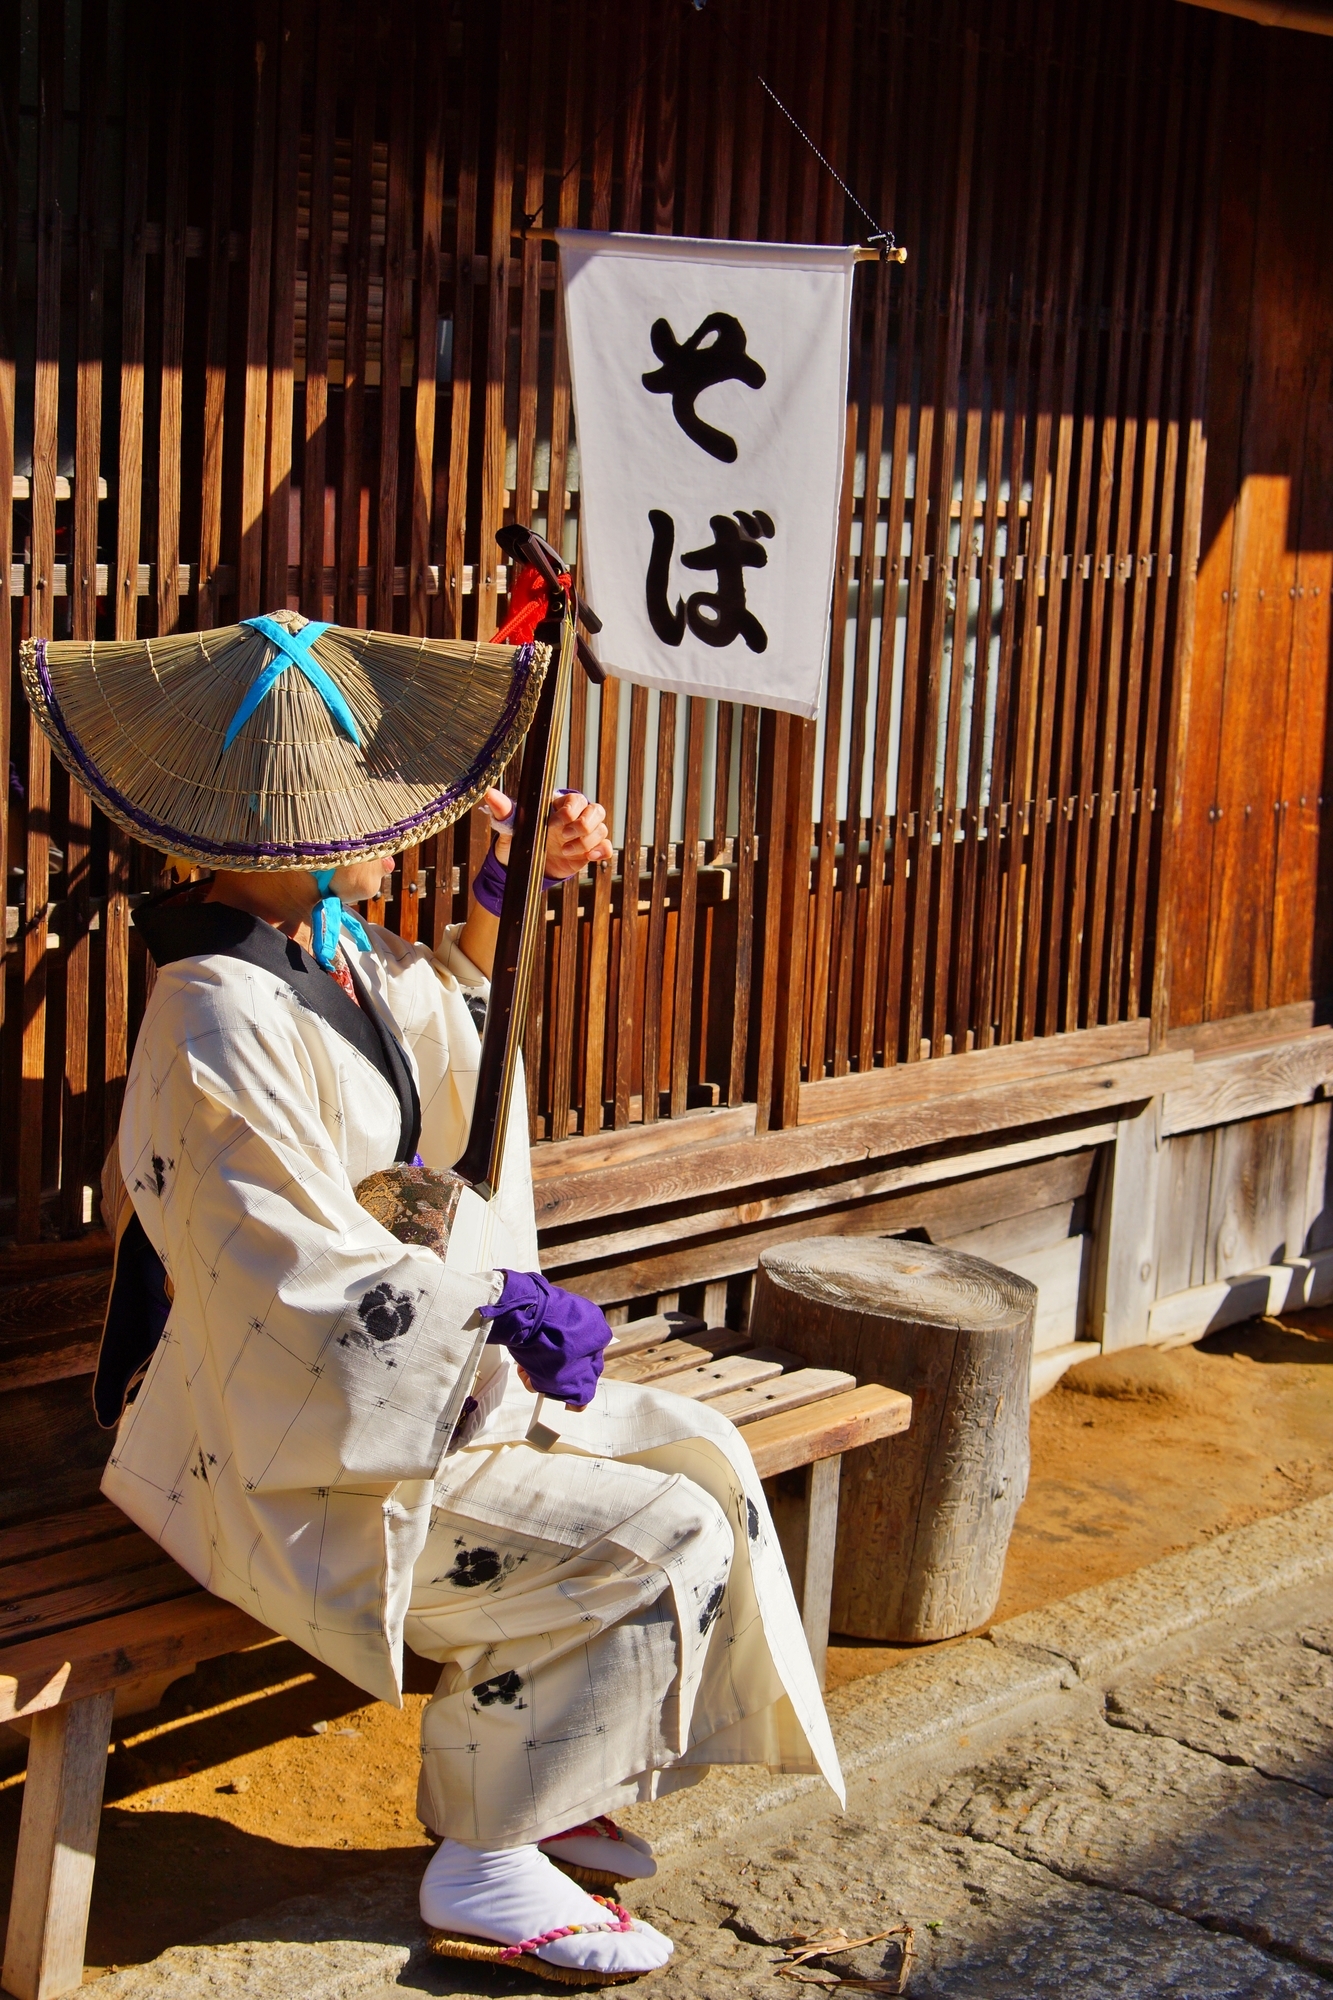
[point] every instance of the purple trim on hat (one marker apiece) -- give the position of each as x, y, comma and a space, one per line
158, 834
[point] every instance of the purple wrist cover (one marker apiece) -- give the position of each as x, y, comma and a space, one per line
557, 1337
488, 884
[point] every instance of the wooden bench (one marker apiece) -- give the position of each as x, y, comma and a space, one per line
95, 1621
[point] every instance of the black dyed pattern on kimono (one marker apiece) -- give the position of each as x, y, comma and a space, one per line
752, 1516
504, 1688
385, 1313
712, 1611
474, 1569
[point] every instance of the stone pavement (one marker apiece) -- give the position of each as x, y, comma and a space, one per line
1130, 1794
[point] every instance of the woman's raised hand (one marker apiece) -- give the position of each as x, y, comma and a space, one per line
576, 835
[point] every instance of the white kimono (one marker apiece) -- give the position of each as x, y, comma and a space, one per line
290, 1444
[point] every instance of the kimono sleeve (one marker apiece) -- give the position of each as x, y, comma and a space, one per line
325, 1350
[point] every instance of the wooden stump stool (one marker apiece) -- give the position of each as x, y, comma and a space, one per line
925, 1518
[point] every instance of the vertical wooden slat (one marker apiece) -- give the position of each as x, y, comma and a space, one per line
1026, 815
1074, 442
1003, 881
319, 257
129, 483
352, 479
250, 562
826, 834
940, 493
534, 190
599, 939
774, 747
9, 220
218, 253
1148, 820
1098, 997
1131, 802
464, 303
83, 597
497, 335
430, 220
175, 190
627, 1005
886, 917
1094, 805
1193, 416
634, 21
655, 942
396, 225
1070, 175
45, 445
683, 998
282, 355
744, 892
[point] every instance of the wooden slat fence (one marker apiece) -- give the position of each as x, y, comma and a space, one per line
293, 345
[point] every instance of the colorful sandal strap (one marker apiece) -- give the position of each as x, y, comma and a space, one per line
601, 1828
623, 1922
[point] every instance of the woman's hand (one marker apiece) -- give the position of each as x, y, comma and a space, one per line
576, 833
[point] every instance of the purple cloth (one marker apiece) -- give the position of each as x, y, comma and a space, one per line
488, 884
556, 1336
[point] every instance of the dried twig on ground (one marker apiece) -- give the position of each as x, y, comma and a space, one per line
801, 1950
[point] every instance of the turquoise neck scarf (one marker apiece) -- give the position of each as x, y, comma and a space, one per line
329, 919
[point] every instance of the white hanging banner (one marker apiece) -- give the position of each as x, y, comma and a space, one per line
710, 391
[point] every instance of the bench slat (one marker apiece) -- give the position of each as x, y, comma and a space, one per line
788, 1392
84, 1603
64, 1531
648, 1332
64, 1666
840, 1423
713, 1379
28, 1582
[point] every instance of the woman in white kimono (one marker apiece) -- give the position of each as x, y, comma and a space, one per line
611, 1613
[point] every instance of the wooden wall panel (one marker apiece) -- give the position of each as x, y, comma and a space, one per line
1250, 915
332, 363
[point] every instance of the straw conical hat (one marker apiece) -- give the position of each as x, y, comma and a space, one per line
278, 744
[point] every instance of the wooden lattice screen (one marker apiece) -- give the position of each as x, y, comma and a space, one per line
226, 231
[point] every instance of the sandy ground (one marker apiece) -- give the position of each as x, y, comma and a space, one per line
263, 1776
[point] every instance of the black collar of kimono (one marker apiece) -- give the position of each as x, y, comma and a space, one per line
179, 924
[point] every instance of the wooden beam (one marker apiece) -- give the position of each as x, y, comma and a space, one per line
1061, 1163
882, 1089
805, 1150
1251, 1081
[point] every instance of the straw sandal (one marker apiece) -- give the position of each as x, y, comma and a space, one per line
522, 1957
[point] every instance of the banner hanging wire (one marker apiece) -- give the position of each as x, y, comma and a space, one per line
879, 240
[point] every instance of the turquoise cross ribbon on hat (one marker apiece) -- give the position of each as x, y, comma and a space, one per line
293, 650
329, 919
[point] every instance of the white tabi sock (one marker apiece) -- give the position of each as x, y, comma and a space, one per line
515, 1896
601, 1844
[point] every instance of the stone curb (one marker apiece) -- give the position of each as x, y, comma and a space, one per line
951, 1690
1101, 1628
357, 1946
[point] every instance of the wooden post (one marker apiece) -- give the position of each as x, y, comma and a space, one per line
807, 1527
53, 1874
925, 1520
1125, 1269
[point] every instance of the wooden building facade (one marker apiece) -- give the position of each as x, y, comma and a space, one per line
1025, 941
